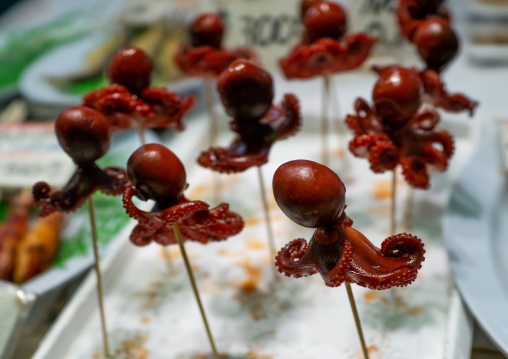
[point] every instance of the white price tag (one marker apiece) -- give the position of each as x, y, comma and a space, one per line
270, 27
30, 153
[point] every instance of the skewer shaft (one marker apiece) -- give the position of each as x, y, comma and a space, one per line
357, 320
179, 239
212, 116
393, 226
141, 131
408, 212
268, 222
324, 121
100, 294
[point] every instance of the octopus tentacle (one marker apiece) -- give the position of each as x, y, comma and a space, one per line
384, 156
141, 236
404, 246
338, 274
444, 139
225, 161
365, 121
285, 119
41, 192
118, 181
360, 145
437, 95
287, 260
166, 217
415, 171
425, 120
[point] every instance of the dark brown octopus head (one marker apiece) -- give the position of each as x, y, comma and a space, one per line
207, 30
83, 133
397, 94
325, 19
419, 9
309, 193
131, 68
246, 91
305, 5
157, 174
436, 43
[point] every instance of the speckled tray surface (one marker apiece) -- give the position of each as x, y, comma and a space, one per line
151, 312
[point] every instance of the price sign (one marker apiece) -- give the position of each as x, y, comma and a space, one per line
271, 27
31, 153
378, 18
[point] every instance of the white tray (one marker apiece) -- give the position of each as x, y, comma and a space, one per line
151, 314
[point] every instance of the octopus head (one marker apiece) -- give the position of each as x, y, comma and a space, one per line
156, 173
207, 30
83, 133
397, 94
131, 68
436, 42
246, 91
309, 193
419, 9
325, 19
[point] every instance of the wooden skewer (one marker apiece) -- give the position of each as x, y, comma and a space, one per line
393, 226
179, 239
271, 241
324, 121
357, 320
165, 251
408, 212
100, 294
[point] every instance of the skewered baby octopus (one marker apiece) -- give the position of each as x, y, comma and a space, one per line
130, 102
325, 48
206, 57
247, 93
157, 174
85, 135
435, 93
313, 196
397, 131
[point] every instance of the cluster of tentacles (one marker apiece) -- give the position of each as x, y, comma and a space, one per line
207, 61
313, 196
154, 107
254, 139
327, 56
197, 222
353, 258
86, 180
435, 93
416, 144
157, 174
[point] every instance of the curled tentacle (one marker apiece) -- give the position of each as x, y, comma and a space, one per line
166, 217
444, 139
167, 107
207, 61
339, 273
118, 181
287, 260
404, 246
437, 95
226, 161
415, 171
141, 236
284, 119
360, 145
384, 156
41, 192
327, 56
365, 121
425, 120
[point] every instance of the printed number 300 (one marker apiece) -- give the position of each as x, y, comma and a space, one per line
267, 30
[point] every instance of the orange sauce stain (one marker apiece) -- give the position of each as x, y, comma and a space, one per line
382, 189
250, 285
197, 191
255, 244
371, 296
223, 252
339, 152
252, 221
144, 320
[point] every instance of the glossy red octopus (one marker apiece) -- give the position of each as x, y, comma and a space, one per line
398, 131
325, 48
246, 91
130, 102
427, 25
85, 135
435, 93
313, 196
205, 57
157, 174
